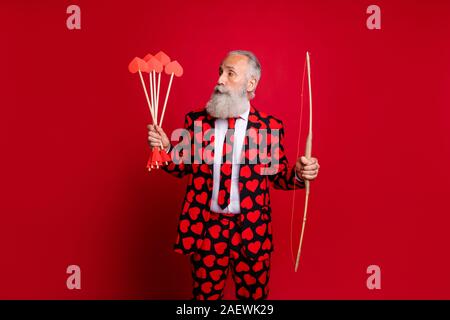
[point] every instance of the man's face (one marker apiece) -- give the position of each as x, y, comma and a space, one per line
233, 73
230, 96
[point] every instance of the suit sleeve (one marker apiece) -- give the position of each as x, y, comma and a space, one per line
181, 153
284, 175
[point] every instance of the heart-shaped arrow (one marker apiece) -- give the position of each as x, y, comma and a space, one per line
155, 65
162, 57
174, 68
147, 57
138, 64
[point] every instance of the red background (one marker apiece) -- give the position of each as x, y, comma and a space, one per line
74, 188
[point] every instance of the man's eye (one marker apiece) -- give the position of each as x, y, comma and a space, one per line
230, 74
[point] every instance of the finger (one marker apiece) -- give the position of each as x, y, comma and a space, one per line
303, 160
311, 167
159, 130
155, 144
154, 134
308, 177
153, 139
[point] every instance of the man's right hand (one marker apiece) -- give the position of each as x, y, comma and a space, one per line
156, 137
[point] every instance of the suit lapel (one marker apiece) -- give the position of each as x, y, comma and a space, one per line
208, 127
249, 154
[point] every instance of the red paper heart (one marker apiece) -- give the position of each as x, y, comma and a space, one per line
175, 68
147, 57
137, 64
154, 65
143, 66
162, 57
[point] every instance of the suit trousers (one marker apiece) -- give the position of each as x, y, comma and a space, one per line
222, 251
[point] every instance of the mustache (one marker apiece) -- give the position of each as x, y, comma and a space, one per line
221, 89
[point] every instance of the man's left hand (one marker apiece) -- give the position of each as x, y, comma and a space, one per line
307, 169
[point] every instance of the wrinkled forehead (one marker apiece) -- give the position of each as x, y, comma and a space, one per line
235, 62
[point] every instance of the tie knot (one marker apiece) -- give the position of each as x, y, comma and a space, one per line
231, 123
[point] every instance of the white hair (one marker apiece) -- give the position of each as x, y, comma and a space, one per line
255, 67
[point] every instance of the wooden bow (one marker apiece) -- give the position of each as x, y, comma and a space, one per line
308, 150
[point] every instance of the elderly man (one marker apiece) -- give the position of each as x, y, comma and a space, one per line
225, 223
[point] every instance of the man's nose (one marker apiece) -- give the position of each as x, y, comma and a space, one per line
222, 79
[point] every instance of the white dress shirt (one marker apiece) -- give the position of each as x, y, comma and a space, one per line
220, 130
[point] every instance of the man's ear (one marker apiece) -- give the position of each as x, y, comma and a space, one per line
251, 85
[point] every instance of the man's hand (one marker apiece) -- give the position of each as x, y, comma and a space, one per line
156, 137
307, 169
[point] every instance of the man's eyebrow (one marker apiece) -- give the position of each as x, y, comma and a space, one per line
230, 67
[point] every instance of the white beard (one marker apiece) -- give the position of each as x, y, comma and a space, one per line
225, 103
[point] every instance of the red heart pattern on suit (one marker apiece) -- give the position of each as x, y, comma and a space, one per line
252, 185
209, 260
247, 234
261, 230
199, 182
184, 225
220, 247
253, 216
254, 246
197, 228
202, 198
188, 242
214, 231
216, 274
